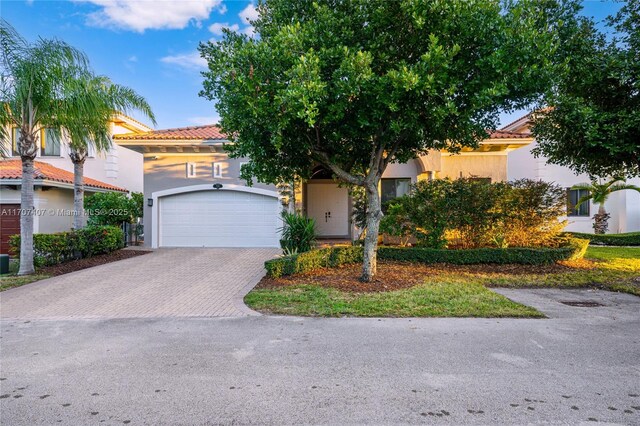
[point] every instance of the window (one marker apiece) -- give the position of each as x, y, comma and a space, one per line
217, 170
394, 188
573, 195
49, 143
191, 170
15, 135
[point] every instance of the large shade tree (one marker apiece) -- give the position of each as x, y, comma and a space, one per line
34, 80
593, 123
91, 103
355, 85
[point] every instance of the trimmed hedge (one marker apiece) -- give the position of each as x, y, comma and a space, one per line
314, 259
627, 239
336, 256
52, 249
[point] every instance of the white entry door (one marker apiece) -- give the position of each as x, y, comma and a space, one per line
219, 219
328, 204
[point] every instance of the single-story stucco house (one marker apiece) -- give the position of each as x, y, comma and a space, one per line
195, 197
120, 170
623, 206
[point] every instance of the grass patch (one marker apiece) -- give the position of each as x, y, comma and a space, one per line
434, 299
8, 281
611, 253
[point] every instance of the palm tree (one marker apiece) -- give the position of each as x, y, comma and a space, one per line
34, 78
599, 193
90, 106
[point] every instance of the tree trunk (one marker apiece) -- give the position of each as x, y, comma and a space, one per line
374, 215
78, 193
601, 220
27, 212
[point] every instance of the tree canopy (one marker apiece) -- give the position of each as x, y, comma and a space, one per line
592, 123
355, 85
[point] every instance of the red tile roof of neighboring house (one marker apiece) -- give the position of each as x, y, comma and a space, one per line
12, 169
208, 132
503, 134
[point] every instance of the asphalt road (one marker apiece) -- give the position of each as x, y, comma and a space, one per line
580, 365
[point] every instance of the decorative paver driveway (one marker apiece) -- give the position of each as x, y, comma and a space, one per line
193, 282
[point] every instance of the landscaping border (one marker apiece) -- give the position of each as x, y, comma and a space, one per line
336, 256
621, 240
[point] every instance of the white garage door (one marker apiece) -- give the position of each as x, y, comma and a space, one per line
219, 219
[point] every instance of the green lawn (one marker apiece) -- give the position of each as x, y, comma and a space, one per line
12, 280
609, 253
449, 292
8, 281
443, 299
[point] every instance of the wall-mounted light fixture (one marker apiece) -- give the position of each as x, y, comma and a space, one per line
217, 185
150, 202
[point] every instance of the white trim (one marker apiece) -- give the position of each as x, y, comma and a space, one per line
155, 213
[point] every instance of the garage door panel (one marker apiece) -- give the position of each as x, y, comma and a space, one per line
219, 219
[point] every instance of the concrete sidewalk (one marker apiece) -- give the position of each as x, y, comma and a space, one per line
579, 366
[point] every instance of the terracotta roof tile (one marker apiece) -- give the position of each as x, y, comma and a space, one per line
208, 132
503, 134
213, 132
12, 169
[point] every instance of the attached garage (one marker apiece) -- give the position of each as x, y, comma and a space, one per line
230, 216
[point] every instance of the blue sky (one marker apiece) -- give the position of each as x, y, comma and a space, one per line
150, 45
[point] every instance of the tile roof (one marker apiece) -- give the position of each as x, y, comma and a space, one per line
213, 132
12, 169
208, 132
504, 134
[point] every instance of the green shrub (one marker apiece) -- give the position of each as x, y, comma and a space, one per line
473, 213
336, 256
113, 208
52, 249
298, 233
627, 239
314, 259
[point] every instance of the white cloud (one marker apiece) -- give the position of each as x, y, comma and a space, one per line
201, 121
249, 13
217, 28
222, 9
136, 15
190, 61
250, 31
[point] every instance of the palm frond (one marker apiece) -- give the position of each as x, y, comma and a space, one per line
624, 186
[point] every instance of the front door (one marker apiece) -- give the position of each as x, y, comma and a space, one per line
328, 204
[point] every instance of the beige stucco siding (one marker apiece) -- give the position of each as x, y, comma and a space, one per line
474, 165
170, 171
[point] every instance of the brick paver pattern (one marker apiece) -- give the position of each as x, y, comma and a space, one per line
189, 282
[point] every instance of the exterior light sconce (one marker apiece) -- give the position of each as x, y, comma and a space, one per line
217, 185
150, 202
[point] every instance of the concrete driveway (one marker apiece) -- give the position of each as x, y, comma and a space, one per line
580, 366
189, 282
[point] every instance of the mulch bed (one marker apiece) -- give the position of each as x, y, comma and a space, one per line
77, 265
400, 275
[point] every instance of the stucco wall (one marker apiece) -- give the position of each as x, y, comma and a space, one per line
50, 205
492, 166
404, 170
170, 171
